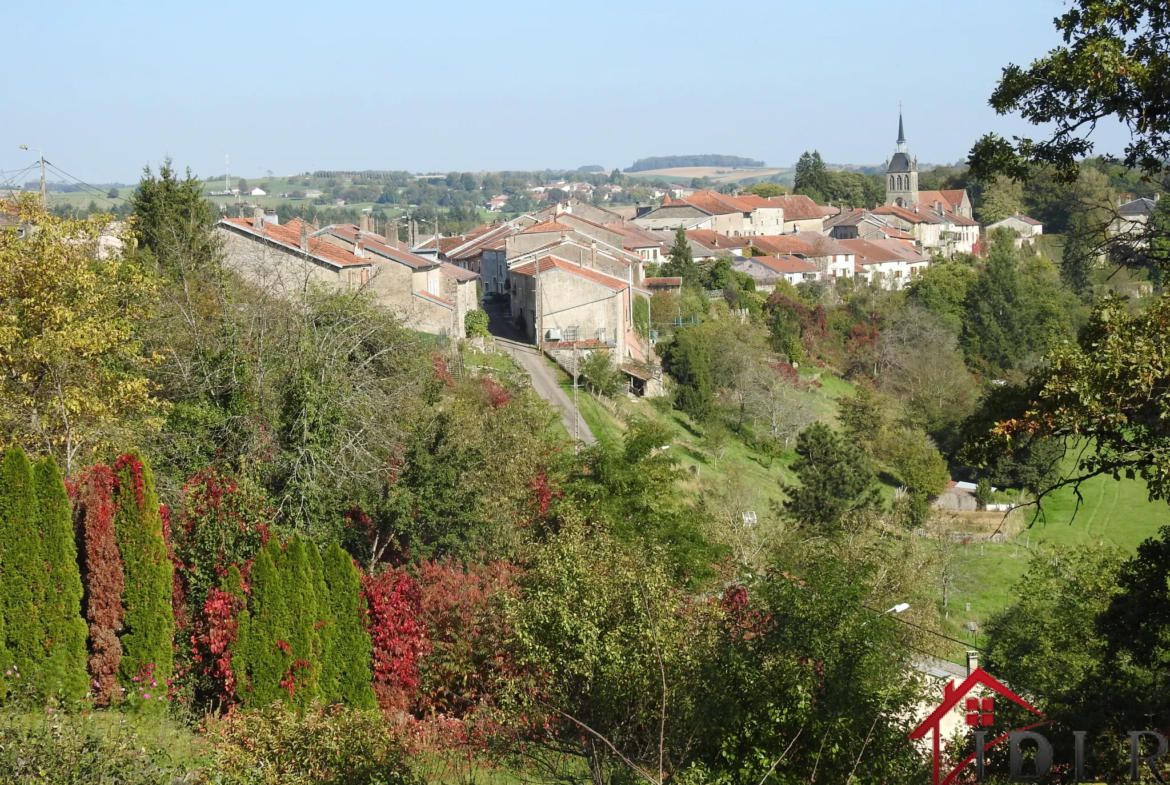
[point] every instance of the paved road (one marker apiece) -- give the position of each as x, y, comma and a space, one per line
544, 379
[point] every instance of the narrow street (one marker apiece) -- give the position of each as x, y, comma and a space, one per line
544, 378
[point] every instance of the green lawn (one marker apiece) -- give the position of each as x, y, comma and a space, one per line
1113, 512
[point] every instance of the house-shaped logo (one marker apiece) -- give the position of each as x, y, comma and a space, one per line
980, 713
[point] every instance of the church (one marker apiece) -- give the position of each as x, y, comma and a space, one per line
902, 185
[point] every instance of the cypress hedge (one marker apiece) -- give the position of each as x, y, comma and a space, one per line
22, 586
62, 673
347, 677
149, 622
263, 659
298, 583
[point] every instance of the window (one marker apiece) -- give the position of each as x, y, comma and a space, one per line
601, 334
897, 273
433, 286
349, 279
571, 333
365, 275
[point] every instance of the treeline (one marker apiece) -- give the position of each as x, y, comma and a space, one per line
676, 161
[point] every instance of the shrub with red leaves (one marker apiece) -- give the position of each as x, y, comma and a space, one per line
440, 370
467, 660
398, 635
497, 395
218, 633
103, 578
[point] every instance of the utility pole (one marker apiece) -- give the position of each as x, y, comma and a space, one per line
539, 314
576, 408
44, 191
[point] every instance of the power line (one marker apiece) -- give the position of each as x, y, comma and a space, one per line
100, 194
924, 629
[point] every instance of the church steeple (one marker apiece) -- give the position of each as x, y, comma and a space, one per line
901, 133
902, 172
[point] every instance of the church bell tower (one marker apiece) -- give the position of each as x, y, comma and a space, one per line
902, 174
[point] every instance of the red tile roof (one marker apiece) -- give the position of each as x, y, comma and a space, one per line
668, 281
823, 245
797, 207
1028, 220
433, 298
785, 264
548, 263
289, 235
754, 201
782, 244
875, 251
456, 272
549, 226
922, 216
372, 245
709, 238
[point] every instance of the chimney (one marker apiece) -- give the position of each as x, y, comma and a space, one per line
364, 223
258, 219
593, 254
359, 244
304, 237
972, 661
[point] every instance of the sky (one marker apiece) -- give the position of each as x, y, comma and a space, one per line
450, 85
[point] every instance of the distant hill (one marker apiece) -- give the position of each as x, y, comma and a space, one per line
681, 161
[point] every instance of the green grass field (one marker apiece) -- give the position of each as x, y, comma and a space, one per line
1113, 512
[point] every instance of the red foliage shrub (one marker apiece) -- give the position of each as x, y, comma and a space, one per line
543, 494
103, 579
440, 370
467, 659
786, 371
212, 646
497, 395
398, 635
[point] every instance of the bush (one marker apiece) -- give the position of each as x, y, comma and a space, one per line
599, 373
80, 750
323, 747
475, 323
983, 493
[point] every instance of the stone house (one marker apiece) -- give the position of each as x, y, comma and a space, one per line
576, 304
674, 215
289, 259
889, 264
1027, 229
767, 271
801, 214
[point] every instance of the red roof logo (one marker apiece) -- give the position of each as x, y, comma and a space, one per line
980, 713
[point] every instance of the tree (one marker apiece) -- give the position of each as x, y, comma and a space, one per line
113, 193
863, 418
264, 661
942, 290
835, 480
346, 677
242, 185
598, 372
920, 364
681, 261
71, 363
148, 621
1001, 198
767, 190
775, 406
475, 323
1076, 258
688, 359
920, 468
62, 673
22, 591
300, 634
812, 178
1068, 92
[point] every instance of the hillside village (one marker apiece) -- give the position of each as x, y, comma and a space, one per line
701, 471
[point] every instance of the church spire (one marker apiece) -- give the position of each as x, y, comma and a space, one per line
901, 132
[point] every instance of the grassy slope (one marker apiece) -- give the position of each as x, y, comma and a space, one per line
1113, 512
739, 460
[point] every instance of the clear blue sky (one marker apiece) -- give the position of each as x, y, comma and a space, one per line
436, 86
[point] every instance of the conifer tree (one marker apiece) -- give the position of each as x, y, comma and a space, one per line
21, 568
236, 656
297, 582
682, 261
348, 678
149, 623
261, 645
324, 623
62, 674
